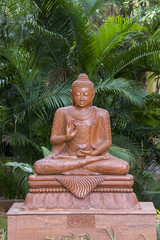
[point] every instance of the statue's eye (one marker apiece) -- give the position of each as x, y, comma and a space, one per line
85, 94
78, 93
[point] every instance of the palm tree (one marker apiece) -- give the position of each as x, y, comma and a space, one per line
26, 103
63, 41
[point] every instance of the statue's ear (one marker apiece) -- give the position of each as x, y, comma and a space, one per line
93, 95
71, 94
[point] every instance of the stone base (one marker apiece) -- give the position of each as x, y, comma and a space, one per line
80, 192
110, 200
127, 224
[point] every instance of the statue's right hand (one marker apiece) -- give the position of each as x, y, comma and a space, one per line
71, 130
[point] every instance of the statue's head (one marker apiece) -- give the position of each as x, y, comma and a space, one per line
82, 92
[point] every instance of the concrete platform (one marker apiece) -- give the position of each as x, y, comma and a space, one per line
137, 224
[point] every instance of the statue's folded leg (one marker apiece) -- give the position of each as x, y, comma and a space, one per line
111, 166
51, 165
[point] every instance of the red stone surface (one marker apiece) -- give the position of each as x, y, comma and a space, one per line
130, 224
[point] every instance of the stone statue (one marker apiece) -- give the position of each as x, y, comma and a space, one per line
81, 137
80, 173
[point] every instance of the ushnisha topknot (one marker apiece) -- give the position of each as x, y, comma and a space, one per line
82, 81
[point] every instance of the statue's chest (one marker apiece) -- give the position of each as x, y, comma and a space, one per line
83, 128
83, 122
82, 138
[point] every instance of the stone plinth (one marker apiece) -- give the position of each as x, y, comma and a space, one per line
133, 224
112, 192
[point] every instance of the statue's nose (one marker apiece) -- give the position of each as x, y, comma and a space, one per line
81, 97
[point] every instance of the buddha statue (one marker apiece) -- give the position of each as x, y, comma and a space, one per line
80, 173
81, 137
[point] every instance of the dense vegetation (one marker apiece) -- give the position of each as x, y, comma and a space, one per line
45, 44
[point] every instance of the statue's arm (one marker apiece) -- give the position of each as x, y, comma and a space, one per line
58, 128
104, 146
61, 131
104, 134
58, 139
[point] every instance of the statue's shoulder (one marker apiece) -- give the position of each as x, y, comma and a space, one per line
101, 112
63, 110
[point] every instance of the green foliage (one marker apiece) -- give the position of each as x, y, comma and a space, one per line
72, 237
46, 44
3, 221
29, 102
14, 179
46, 152
125, 58
3, 235
20, 174
3, 226
106, 41
121, 153
7, 187
143, 179
147, 14
122, 87
112, 233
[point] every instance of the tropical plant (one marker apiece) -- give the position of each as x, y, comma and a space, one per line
27, 104
7, 187
3, 235
14, 179
20, 174
72, 237
61, 40
13, 16
3, 221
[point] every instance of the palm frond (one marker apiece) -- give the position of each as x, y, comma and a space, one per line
156, 35
120, 86
121, 153
20, 174
152, 64
49, 43
153, 167
67, 19
20, 139
143, 177
61, 17
2, 14
15, 9
90, 6
15, 14
18, 65
125, 58
41, 97
124, 142
52, 98
152, 112
108, 37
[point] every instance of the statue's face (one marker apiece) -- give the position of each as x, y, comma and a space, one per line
82, 97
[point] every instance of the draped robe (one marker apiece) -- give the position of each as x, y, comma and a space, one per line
93, 132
